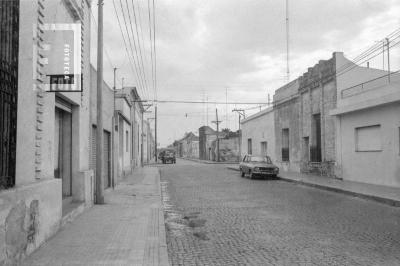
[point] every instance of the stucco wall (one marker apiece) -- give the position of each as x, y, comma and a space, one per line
311, 103
286, 115
259, 127
27, 96
228, 149
127, 146
108, 101
31, 212
381, 167
29, 216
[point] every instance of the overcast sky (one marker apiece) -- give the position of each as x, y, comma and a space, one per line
210, 49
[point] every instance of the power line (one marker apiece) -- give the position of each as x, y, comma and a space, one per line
133, 66
151, 48
203, 102
140, 47
155, 54
140, 70
138, 76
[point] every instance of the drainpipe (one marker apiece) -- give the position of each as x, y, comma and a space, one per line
134, 134
141, 145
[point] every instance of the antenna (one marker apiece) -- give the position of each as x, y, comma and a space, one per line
287, 42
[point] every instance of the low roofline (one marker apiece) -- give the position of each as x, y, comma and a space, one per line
257, 115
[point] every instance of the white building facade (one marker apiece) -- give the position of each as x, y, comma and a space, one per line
258, 134
368, 127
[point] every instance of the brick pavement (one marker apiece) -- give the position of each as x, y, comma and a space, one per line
127, 230
215, 217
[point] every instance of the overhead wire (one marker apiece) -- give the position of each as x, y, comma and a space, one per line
139, 46
139, 68
154, 49
105, 45
130, 54
130, 57
139, 10
151, 49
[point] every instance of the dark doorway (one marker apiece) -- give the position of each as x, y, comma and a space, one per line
306, 149
315, 149
285, 145
63, 149
107, 160
9, 34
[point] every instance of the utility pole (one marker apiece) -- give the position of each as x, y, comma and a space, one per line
113, 132
241, 113
383, 55
207, 107
155, 132
217, 122
142, 134
226, 107
388, 57
99, 131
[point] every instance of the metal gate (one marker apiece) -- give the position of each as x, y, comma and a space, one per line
9, 34
106, 156
106, 160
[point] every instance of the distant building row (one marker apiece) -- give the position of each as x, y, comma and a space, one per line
205, 146
338, 118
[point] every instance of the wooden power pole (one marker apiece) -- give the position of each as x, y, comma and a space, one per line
113, 131
217, 122
99, 131
241, 113
388, 57
155, 132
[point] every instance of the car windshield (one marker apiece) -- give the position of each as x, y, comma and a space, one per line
259, 159
169, 153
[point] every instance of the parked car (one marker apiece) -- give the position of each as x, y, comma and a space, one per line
167, 156
261, 166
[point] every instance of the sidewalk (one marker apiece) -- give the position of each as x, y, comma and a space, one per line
383, 194
127, 230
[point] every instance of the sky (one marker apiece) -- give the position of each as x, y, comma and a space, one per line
233, 50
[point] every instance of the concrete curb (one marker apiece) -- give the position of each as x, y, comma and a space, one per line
163, 250
387, 201
206, 162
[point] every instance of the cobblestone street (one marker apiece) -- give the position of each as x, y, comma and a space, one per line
215, 217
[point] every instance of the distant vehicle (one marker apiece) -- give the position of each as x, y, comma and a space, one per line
254, 166
167, 156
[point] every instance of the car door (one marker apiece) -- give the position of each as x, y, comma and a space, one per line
248, 164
